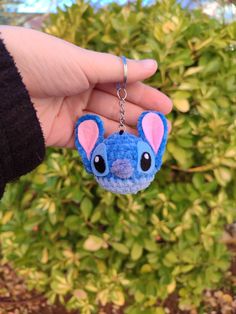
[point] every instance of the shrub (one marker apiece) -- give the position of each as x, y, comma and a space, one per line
86, 246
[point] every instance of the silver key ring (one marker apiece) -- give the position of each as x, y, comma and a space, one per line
125, 69
120, 87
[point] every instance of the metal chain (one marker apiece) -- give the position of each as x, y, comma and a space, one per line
122, 94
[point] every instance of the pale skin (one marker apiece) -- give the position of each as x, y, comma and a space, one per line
65, 81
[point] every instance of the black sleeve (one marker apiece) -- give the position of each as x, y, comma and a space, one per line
22, 146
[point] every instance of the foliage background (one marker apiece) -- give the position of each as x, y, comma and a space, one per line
86, 246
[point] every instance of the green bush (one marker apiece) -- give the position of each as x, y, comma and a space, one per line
75, 241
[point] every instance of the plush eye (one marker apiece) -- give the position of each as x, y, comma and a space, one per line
146, 161
99, 163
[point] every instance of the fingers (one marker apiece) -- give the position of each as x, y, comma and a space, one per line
107, 105
142, 95
48, 73
102, 67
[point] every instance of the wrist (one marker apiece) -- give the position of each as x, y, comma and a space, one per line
22, 144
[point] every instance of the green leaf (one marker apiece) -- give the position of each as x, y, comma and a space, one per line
170, 259
193, 70
160, 310
223, 175
86, 207
120, 247
136, 251
73, 222
139, 296
150, 245
181, 155
181, 104
118, 297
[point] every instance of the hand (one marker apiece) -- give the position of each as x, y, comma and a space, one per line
65, 81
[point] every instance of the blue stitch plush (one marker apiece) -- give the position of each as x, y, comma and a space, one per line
122, 163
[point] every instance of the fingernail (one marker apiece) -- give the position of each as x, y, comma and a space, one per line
149, 63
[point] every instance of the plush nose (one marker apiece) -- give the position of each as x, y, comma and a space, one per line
122, 168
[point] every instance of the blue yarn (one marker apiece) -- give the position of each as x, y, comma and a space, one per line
122, 155
124, 186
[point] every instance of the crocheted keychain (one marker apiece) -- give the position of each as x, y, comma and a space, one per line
122, 163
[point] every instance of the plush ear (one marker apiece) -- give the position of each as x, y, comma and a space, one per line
89, 132
152, 128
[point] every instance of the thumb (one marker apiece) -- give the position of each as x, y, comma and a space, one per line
107, 68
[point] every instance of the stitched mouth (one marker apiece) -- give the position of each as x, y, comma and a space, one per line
124, 186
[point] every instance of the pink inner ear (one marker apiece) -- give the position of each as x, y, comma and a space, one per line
153, 129
87, 135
